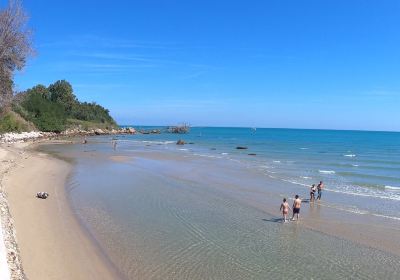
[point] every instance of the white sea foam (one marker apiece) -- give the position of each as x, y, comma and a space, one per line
364, 194
355, 165
303, 148
305, 177
156, 142
350, 155
295, 182
207, 156
362, 212
224, 154
326, 171
277, 161
387, 217
183, 150
392, 188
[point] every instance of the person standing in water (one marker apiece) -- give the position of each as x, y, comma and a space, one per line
285, 209
296, 207
312, 192
320, 187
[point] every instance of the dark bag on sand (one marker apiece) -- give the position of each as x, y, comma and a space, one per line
42, 195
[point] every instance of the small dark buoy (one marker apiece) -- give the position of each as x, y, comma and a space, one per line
241, 148
252, 154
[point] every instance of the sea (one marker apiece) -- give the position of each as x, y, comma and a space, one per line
208, 210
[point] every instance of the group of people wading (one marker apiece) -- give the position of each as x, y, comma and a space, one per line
297, 202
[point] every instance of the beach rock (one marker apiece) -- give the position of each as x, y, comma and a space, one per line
99, 132
180, 142
241, 148
131, 130
42, 195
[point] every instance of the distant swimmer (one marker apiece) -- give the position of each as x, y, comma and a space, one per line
84, 141
312, 192
285, 209
296, 207
114, 143
320, 187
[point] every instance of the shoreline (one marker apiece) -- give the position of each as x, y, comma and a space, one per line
48, 231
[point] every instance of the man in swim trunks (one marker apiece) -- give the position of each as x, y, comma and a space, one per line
320, 188
296, 207
285, 209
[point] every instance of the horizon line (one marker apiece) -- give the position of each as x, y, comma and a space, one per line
250, 127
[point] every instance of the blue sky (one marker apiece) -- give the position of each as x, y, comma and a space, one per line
299, 64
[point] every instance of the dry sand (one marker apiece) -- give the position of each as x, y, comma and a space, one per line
52, 243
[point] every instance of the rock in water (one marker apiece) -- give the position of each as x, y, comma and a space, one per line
241, 148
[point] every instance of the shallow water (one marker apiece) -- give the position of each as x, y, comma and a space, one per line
160, 212
357, 164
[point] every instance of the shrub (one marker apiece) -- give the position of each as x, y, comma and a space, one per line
50, 107
11, 122
46, 115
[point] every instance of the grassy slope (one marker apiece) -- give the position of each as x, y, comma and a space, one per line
13, 122
87, 125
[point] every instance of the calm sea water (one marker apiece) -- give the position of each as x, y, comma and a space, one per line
355, 163
162, 211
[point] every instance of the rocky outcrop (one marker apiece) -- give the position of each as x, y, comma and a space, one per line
25, 136
153, 131
71, 132
98, 131
241, 148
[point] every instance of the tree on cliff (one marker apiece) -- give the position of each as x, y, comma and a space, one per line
61, 92
15, 48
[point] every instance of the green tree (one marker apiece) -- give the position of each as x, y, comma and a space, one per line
41, 90
45, 114
61, 92
15, 48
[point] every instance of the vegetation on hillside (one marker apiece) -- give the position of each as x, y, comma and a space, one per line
11, 121
54, 108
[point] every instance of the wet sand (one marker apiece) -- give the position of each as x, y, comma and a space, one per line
51, 241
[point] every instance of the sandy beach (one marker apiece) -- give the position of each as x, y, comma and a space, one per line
51, 242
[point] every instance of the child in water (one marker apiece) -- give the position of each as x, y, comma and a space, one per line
285, 209
312, 192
